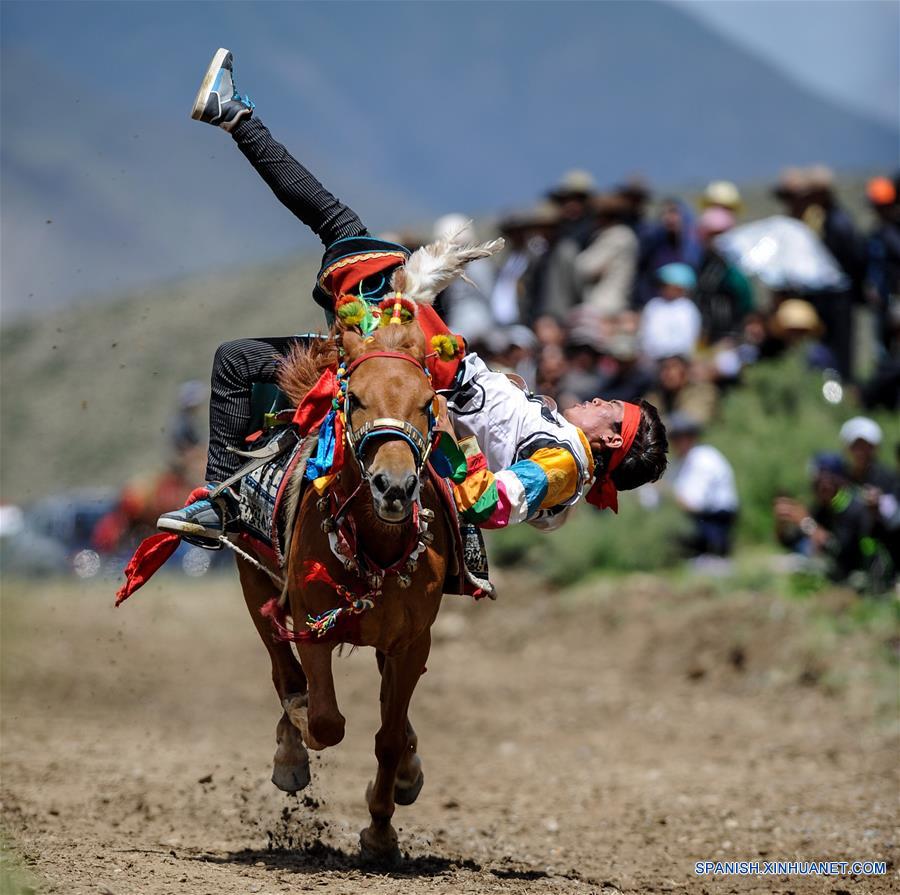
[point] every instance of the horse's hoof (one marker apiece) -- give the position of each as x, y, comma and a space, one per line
378, 850
407, 794
291, 777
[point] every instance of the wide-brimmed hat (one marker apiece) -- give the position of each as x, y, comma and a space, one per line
574, 184
722, 193
796, 315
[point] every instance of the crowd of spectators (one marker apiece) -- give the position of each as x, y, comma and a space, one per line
595, 295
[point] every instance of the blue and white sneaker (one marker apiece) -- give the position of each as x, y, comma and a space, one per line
201, 522
218, 101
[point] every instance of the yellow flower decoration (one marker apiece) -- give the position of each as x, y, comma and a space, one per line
446, 347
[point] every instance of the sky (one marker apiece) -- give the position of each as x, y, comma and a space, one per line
804, 38
107, 185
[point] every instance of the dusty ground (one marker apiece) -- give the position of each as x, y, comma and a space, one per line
589, 742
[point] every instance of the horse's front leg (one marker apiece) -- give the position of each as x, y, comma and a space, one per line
399, 677
290, 767
410, 776
321, 722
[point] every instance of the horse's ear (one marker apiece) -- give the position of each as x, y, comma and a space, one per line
354, 344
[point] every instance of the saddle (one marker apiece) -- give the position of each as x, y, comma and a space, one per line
264, 490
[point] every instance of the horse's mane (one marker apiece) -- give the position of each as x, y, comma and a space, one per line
301, 368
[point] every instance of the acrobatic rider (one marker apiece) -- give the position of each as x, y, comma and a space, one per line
526, 462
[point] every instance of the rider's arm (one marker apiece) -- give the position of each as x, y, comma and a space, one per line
549, 478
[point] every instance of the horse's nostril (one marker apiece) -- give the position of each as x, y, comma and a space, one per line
411, 482
381, 483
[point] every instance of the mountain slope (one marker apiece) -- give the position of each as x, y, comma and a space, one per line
407, 110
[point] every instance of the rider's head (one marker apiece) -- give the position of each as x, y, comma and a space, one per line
604, 425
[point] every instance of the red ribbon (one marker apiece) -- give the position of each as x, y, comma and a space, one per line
603, 492
151, 554
316, 403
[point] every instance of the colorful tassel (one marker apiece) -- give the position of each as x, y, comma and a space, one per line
395, 309
446, 346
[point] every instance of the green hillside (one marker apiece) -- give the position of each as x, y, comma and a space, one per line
87, 392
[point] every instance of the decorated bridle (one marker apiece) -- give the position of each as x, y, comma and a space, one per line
385, 427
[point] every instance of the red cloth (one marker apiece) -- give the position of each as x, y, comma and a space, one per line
603, 492
443, 372
315, 405
152, 553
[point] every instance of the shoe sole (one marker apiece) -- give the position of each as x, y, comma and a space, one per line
188, 528
206, 84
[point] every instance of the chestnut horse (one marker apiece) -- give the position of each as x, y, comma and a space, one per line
383, 492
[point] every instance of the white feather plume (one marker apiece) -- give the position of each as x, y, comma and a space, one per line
433, 267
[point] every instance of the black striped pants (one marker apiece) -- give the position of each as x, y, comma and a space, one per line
238, 364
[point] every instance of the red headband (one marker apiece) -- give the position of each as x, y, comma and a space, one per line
603, 492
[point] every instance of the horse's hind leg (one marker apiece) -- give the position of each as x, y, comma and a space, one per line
290, 768
410, 776
399, 677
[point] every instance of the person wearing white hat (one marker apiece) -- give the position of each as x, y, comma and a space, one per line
876, 485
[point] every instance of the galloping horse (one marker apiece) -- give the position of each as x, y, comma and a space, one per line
384, 591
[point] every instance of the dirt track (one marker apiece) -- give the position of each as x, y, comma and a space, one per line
598, 742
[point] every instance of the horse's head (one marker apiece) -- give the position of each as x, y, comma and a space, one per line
390, 410
390, 404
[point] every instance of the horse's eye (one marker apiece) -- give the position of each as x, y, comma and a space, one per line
354, 402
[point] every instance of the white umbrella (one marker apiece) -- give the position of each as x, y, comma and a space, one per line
784, 254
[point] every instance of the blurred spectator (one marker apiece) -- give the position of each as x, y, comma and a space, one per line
553, 286
836, 528
702, 481
675, 240
623, 377
883, 260
796, 322
511, 349
572, 196
670, 323
722, 194
635, 194
606, 268
792, 190
582, 380
464, 303
675, 393
550, 369
724, 295
187, 444
874, 484
809, 197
